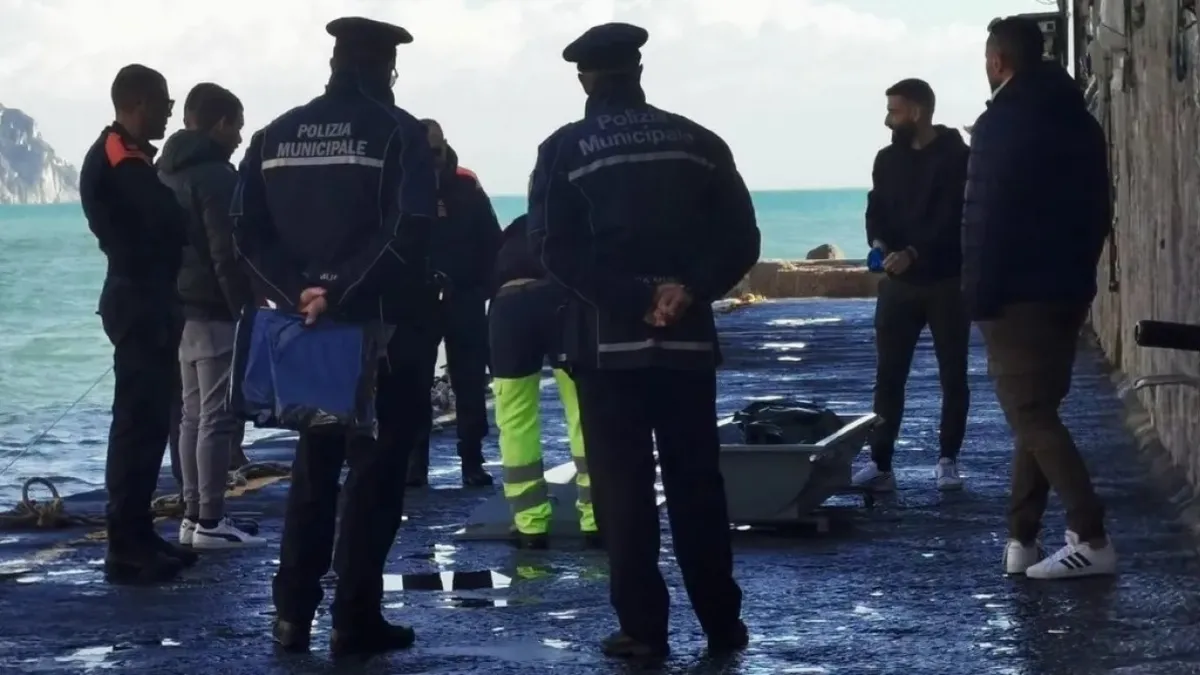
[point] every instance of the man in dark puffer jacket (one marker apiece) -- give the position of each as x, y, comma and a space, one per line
1036, 214
213, 291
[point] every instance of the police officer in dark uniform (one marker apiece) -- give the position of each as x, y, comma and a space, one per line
643, 217
333, 212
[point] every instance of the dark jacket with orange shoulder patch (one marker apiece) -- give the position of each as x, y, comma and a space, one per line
138, 223
466, 236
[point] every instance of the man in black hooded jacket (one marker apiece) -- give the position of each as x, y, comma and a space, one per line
914, 214
464, 243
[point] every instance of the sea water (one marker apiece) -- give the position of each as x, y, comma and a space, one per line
54, 358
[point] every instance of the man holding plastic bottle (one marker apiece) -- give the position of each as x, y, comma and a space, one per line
914, 214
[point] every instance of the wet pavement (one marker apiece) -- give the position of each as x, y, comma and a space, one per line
911, 586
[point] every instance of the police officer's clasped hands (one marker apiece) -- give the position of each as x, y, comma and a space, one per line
313, 304
671, 300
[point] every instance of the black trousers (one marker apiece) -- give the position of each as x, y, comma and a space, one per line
372, 505
624, 414
146, 369
173, 440
902, 311
463, 325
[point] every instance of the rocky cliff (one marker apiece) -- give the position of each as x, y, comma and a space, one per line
30, 171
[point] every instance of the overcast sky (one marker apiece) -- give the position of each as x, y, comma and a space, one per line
795, 86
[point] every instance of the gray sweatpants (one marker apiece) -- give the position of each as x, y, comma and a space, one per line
207, 428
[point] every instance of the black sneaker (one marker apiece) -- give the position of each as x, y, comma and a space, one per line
143, 565
474, 475
733, 640
621, 646
532, 542
294, 638
381, 638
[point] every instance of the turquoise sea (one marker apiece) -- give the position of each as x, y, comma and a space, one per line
54, 359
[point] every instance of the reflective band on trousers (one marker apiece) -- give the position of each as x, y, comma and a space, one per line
535, 494
523, 471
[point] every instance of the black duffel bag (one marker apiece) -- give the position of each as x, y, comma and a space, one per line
780, 422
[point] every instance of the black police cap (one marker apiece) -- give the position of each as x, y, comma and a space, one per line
355, 31
610, 46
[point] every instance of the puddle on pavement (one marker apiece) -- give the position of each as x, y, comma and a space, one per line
101, 657
90, 658
71, 576
459, 586
519, 651
784, 346
441, 554
446, 581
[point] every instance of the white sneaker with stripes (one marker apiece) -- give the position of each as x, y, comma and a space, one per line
1075, 560
1018, 557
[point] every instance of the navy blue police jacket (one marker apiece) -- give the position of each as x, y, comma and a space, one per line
340, 193
624, 199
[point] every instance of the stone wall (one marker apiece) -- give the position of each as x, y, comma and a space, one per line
1154, 121
809, 279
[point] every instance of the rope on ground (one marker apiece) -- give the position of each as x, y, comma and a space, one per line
52, 514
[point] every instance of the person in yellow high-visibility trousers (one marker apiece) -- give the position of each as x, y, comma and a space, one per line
522, 333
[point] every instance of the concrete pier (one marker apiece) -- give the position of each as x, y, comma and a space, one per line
911, 586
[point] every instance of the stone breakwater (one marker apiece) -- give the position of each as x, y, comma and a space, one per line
809, 279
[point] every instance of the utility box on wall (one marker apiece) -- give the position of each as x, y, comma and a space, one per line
1054, 33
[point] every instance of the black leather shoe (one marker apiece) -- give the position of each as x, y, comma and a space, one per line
474, 475
143, 565
735, 639
621, 646
184, 556
294, 638
381, 638
533, 542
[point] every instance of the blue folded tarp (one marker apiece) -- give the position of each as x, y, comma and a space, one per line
290, 376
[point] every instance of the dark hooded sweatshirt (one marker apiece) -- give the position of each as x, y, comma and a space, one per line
466, 236
212, 287
916, 201
515, 259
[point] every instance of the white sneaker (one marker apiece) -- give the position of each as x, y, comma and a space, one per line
1076, 559
947, 476
224, 535
872, 479
1018, 557
187, 528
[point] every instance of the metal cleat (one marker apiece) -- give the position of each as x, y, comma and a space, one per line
1155, 381
1152, 381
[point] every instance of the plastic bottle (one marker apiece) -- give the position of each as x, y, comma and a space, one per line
875, 260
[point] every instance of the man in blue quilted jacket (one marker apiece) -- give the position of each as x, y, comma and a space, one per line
1036, 214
